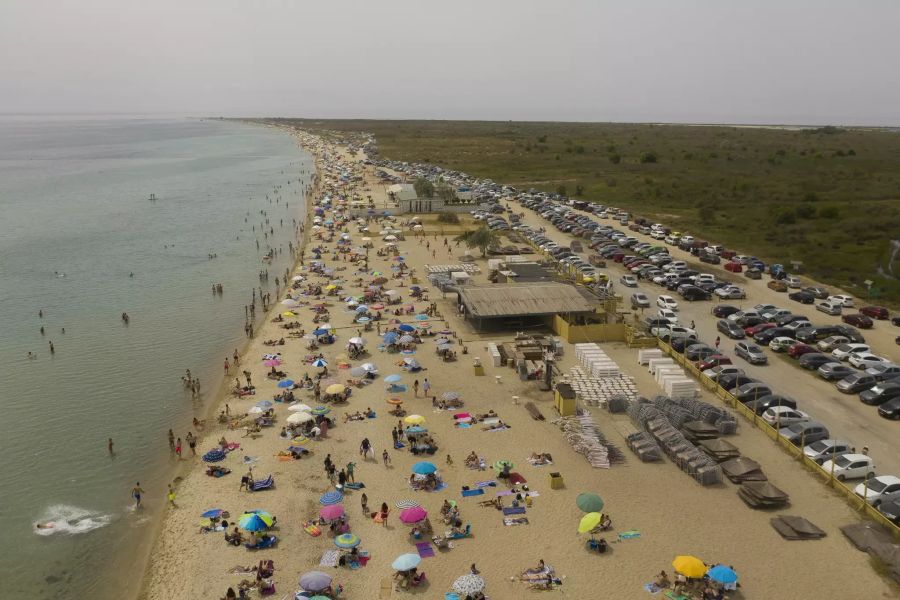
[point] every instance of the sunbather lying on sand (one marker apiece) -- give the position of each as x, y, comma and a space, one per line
540, 458
499, 425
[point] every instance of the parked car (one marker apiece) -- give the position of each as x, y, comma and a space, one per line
628, 280
875, 312
860, 320
845, 301
829, 307
828, 449
752, 353
731, 329
698, 351
752, 391
880, 393
764, 403
714, 360
798, 350
819, 293
884, 371
890, 507
804, 433
864, 360
802, 297
813, 360
767, 335
831, 342
724, 310
722, 370
890, 409
667, 302
843, 351
876, 488
692, 293
777, 285
850, 466
753, 274
782, 344
784, 416
640, 300
856, 382
732, 292
730, 382
833, 371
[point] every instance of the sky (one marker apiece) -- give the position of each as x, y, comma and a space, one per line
694, 61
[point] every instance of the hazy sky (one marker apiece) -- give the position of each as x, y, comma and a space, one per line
748, 61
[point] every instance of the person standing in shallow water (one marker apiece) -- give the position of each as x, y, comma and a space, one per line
136, 492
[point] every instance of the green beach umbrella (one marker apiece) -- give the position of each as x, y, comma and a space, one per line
589, 502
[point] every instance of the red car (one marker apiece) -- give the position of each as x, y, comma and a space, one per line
734, 267
876, 312
798, 350
713, 360
751, 331
861, 321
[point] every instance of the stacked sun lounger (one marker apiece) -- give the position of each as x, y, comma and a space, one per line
494, 353
595, 390
741, 469
585, 438
762, 494
796, 528
595, 361
719, 450
646, 354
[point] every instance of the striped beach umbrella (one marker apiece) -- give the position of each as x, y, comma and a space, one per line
347, 540
320, 410
406, 503
320, 362
332, 497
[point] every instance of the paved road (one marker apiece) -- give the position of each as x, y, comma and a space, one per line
844, 415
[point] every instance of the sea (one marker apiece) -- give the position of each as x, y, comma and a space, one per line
101, 216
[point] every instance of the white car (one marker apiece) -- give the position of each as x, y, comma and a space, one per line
877, 488
668, 315
781, 343
864, 360
843, 351
628, 280
730, 291
845, 301
795, 325
667, 331
850, 466
742, 314
761, 308
783, 416
667, 302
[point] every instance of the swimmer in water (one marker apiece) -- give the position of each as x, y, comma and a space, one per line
47, 525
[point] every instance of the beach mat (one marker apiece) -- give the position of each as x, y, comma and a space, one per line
630, 534
652, 589
467, 493
511, 521
514, 510
425, 550
330, 558
489, 483
516, 479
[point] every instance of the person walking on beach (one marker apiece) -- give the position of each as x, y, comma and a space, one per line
386, 457
192, 443
170, 495
425, 387
236, 357
350, 467
226, 366
136, 492
178, 448
364, 447
394, 436
416, 388
52, 349
171, 440
327, 463
364, 500
342, 478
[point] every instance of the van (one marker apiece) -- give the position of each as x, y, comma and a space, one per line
829, 307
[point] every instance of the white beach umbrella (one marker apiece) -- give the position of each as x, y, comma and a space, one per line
390, 238
391, 293
298, 418
299, 407
297, 278
255, 410
290, 302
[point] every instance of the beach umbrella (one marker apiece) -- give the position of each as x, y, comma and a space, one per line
443, 347
290, 302
298, 418
332, 497
406, 327
214, 456
401, 504
589, 503
297, 278
414, 514
501, 464
316, 581
320, 362
422, 317
255, 410
255, 522
366, 239
390, 338
469, 584
358, 341
320, 410
450, 396
722, 574
357, 372
212, 513
330, 512
347, 540
362, 308
363, 320
337, 388
393, 378
369, 367
405, 562
377, 306
288, 314
299, 407
424, 468
424, 325
689, 566
320, 331
286, 383
443, 340
589, 522
416, 429
330, 287
300, 440
390, 238
414, 420
266, 404
411, 362
406, 339
272, 362
391, 293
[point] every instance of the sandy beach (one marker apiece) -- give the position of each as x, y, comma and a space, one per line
667, 511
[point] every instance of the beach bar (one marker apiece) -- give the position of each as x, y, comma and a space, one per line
522, 304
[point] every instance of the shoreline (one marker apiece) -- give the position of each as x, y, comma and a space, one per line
221, 391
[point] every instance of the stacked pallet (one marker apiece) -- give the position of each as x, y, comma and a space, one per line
494, 353
585, 438
599, 391
595, 360
646, 354
670, 377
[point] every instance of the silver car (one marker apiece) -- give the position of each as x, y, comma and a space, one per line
827, 449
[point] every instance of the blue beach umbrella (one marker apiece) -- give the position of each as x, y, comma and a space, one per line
424, 468
214, 456
421, 317
406, 327
212, 513
284, 383
320, 332
362, 308
722, 574
332, 497
363, 320
390, 338
267, 404
320, 362
255, 521
416, 429
393, 378
347, 540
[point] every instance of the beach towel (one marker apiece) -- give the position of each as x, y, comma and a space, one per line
671, 594
504, 428
630, 534
330, 558
312, 530
514, 510
491, 421
398, 445
516, 479
503, 493
464, 425
467, 493
488, 483
356, 485
438, 487
425, 550
510, 521
652, 588
462, 415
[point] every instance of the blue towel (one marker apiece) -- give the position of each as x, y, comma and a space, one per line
514, 510
476, 492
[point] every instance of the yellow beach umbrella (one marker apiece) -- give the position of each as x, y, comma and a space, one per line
336, 388
288, 313
414, 420
689, 566
589, 522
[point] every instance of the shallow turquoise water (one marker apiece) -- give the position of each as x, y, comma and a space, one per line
75, 222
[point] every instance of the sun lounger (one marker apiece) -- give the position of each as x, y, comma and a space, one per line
264, 484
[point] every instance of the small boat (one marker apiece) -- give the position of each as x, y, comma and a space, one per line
152, 198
